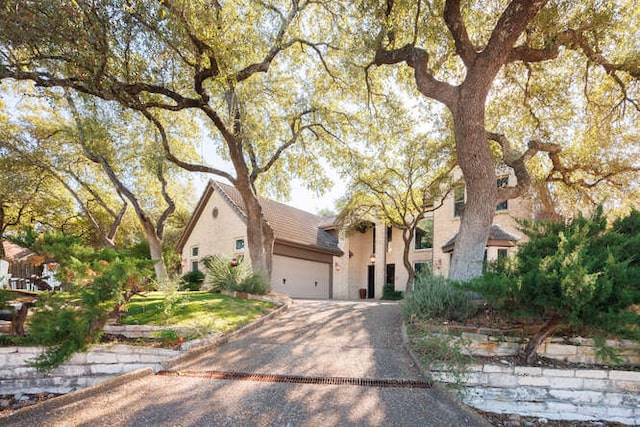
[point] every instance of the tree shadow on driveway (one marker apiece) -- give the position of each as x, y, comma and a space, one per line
313, 338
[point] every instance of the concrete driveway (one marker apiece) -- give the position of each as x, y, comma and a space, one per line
311, 339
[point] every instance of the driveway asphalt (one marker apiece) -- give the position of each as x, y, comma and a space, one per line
311, 339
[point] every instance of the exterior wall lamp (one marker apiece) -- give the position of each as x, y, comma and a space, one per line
372, 258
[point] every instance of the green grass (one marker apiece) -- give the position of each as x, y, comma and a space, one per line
203, 312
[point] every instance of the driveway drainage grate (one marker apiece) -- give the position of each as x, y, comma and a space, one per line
297, 379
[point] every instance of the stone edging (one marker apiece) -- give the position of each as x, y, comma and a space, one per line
193, 352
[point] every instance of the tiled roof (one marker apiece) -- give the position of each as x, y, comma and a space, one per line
289, 224
496, 233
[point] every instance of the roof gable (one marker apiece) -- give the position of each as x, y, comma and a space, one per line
498, 236
290, 225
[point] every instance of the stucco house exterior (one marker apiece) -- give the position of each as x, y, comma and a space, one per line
313, 259
303, 253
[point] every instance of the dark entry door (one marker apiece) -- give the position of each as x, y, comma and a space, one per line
371, 281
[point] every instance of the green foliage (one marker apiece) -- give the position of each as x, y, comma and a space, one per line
580, 270
442, 352
435, 297
98, 283
255, 284
606, 354
389, 293
225, 273
202, 312
167, 336
65, 325
172, 297
5, 296
192, 280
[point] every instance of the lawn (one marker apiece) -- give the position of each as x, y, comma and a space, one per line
203, 312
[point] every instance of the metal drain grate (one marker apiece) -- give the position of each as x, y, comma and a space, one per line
297, 379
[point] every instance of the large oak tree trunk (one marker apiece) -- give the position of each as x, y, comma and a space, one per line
155, 250
155, 246
476, 162
260, 236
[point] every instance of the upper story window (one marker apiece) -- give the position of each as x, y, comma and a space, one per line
389, 237
239, 245
458, 201
424, 234
459, 197
194, 251
503, 182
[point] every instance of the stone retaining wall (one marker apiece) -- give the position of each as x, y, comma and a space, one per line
567, 394
566, 349
103, 362
583, 394
82, 370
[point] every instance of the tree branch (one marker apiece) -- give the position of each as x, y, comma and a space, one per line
508, 29
193, 167
418, 59
171, 206
456, 26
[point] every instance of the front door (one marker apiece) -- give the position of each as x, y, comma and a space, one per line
371, 281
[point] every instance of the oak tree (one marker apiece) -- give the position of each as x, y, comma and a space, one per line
244, 69
473, 57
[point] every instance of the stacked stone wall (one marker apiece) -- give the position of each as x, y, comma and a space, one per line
82, 370
562, 394
579, 394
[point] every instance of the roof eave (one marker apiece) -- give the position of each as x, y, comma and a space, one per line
314, 248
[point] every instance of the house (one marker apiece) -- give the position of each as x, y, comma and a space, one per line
303, 252
23, 269
313, 259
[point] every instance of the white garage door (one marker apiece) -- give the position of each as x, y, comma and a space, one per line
300, 278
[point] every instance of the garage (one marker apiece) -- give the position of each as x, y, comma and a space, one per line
300, 278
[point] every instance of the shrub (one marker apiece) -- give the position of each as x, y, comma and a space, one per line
577, 273
389, 293
256, 284
192, 281
98, 284
171, 297
434, 297
231, 275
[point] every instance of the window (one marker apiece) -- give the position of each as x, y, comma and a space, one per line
389, 237
239, 245
194, 266
424, 234
194, 251
502, 182
458, 201
502, 254
391, 274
